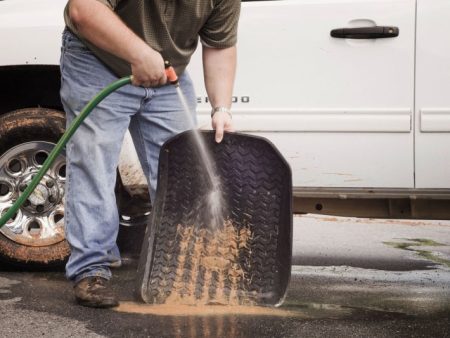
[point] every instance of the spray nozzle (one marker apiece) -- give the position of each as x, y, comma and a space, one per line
172, 77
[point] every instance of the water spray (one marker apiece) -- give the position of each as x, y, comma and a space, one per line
214, 202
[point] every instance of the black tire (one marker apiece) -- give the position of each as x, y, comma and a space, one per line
18, 127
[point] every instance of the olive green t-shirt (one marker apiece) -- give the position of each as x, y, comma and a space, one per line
171, 27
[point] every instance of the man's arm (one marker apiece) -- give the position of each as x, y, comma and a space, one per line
219, 68
90, 16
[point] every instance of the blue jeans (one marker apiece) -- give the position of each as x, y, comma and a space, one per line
152, 115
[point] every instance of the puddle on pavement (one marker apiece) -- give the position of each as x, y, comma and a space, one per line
318, 310
411, 244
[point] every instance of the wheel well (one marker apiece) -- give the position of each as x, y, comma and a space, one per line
29, 86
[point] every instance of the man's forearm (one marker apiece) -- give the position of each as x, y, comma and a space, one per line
219, 68
90, 17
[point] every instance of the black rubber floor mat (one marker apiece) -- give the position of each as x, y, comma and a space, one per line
245, 261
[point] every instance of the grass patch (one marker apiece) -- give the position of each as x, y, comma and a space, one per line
414, 242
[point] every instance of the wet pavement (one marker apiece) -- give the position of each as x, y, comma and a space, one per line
350, 278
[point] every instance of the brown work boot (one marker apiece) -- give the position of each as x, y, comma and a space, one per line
95, 292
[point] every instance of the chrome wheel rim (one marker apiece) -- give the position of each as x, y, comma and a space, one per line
40, 220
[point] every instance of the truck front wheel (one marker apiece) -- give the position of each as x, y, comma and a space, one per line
35, 235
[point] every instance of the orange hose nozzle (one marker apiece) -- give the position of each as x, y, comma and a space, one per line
172, 76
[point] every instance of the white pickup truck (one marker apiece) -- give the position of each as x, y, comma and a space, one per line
354, 93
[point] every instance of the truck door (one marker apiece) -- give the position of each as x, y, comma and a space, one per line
433, 94
339, 109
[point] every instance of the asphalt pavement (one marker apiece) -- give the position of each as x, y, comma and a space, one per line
350, 278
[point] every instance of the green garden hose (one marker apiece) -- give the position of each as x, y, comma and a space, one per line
61, 144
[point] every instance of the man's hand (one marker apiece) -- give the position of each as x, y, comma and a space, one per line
148, 69
221, 121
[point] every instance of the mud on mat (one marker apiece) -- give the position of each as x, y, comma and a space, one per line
246, 260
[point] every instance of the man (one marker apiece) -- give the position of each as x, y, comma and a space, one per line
107, 39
